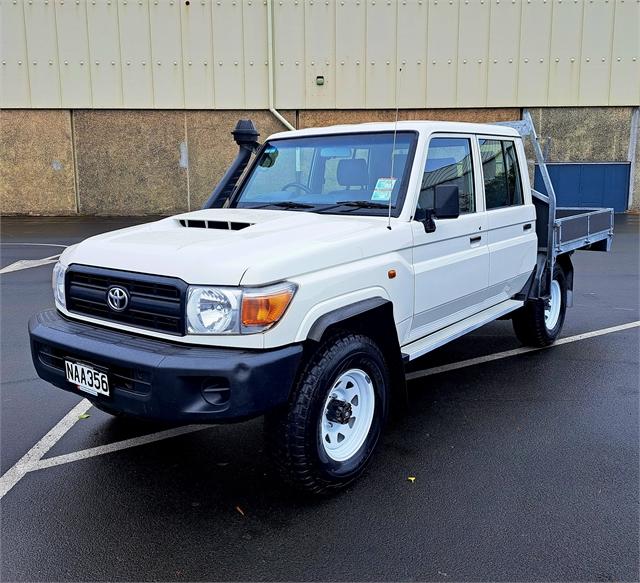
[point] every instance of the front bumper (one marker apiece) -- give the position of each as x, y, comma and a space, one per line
162, 380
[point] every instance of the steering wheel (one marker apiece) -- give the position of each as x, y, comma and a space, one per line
297, 185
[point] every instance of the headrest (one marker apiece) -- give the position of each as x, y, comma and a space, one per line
353, 172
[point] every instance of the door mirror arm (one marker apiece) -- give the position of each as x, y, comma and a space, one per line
426, 216
428, 222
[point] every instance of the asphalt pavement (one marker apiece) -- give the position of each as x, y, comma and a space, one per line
526, 467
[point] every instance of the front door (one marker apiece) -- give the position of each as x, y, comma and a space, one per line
451, 264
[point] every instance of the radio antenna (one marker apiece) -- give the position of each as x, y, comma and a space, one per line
393, 149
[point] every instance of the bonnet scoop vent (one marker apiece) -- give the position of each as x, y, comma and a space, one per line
223, 225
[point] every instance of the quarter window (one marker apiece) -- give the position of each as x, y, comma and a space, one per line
502, 185
448, 162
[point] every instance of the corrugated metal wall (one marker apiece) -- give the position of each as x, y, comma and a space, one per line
170, 54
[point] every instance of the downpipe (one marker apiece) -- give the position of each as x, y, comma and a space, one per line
272, 107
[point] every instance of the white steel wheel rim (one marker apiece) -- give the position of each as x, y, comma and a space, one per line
552, 311
342, 440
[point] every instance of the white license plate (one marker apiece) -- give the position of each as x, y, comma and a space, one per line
87, 379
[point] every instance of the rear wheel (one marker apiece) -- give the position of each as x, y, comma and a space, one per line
324, 438
539, 322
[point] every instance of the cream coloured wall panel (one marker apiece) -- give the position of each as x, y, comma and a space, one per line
533, 65
320, 53
73, 54
228, 53
504, 53
197, 54
595, 68
442, 66
564, 62
104, 51
256, 70
289, 52
412, 53
473, 51
42, 53
166, 53
203, 54
381, 53
350, 53
135, 49
14, 71
624, 88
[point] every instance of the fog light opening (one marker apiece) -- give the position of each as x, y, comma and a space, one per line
216, 391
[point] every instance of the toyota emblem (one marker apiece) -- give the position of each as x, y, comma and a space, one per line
118, 298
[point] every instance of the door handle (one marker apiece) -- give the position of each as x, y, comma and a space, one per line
475, 239
526, 227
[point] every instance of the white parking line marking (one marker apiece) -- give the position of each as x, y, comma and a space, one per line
25, 464
33, 244
507, 353
28, 263
117, 446
32, 460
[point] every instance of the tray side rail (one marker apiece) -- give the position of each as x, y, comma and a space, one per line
589, 229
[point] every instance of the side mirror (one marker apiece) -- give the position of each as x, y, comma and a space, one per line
446, 202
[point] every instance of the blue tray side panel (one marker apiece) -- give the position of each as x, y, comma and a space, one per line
588, 184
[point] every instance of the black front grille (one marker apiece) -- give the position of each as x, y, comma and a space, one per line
155, 302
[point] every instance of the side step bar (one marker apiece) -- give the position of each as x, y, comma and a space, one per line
441, 337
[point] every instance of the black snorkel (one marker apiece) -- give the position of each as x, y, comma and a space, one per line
245, 135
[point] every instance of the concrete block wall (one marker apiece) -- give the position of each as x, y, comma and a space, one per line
115, 162
126, 162
37, 168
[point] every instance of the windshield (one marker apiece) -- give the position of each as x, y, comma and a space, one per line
358, 172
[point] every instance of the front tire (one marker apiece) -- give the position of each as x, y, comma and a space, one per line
539, 322
324, 438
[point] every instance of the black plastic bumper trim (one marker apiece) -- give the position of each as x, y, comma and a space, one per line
161, 380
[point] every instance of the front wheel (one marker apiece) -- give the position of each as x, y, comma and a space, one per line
539, 322
324, 438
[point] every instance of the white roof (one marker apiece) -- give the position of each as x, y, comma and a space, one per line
420, 126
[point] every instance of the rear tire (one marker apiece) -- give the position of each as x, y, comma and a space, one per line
325, 436
538, 323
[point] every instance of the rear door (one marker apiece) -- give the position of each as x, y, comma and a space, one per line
451, 265
511, 233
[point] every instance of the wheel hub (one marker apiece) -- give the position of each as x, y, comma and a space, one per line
339, 411
347, 415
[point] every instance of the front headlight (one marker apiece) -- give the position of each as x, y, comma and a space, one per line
213, 310
57, 282
218, 310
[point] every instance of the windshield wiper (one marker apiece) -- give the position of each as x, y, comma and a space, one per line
286, 204
355, 204
364, 204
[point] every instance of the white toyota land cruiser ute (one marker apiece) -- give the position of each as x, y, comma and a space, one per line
324, 261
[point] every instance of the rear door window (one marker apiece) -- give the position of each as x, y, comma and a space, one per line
448, 162
502, 184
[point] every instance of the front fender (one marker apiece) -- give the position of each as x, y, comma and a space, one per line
358, 302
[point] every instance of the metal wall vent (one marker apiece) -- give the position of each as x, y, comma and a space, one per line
224, 225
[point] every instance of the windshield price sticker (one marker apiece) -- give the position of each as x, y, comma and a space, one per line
383, 189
